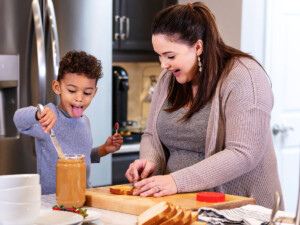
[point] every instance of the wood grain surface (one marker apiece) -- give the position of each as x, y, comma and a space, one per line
102, 198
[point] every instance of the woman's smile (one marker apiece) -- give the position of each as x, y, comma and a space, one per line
176, 73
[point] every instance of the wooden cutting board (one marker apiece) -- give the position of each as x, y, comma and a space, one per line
103, 199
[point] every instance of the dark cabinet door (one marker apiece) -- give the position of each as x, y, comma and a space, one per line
132, 27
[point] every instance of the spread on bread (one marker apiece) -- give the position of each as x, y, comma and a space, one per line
165, 213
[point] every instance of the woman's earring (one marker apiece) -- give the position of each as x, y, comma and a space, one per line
199, 64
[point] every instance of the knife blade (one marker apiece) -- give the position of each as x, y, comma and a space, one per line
53, 138
55, 143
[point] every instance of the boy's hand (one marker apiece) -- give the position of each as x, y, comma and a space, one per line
47, 119
112, 144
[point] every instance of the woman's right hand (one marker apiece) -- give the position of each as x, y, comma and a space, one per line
139, 169
47, 119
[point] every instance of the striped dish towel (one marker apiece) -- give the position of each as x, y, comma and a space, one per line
248, 215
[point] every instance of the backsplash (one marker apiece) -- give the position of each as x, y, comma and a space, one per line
141, 76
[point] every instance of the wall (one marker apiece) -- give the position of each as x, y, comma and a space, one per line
95, 37
228, 15
100, 112
241, 24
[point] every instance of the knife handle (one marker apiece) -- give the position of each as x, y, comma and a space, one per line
40, 108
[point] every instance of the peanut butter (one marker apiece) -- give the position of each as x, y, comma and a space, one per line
70, 180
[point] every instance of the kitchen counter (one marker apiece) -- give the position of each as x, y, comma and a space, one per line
108, 217
126, 148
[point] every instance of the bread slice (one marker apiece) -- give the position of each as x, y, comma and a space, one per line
176, 218
187, 218
153, 215
170, 214
194, 215
122, 189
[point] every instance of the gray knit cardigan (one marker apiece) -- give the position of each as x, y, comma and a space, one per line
239, 153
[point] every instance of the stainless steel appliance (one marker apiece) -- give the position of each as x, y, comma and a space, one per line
23, 74
29, 56
120, 95
120, 87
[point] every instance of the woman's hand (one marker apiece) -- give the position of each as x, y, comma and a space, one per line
47, 119
139, 169
157, 186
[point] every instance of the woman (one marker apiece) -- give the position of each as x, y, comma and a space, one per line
209, 121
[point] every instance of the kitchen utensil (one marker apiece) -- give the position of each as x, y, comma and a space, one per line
279, 220
275, 208
40, 108
116, 127
102, 198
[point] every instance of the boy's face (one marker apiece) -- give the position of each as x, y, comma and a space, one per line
76, 93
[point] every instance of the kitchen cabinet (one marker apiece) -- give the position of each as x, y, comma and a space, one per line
132, 21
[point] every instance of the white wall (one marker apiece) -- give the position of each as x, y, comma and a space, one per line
88, 27
241, 23
100, 110
228, 17
253, 28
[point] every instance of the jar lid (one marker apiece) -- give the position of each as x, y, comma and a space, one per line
72, 156
211, 197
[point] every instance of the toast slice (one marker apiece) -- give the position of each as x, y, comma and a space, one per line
176, 218
154, 215
187, 218
194, 215
170, 214
122, 189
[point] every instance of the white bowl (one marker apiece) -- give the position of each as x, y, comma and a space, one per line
12, 213
21, 194
17, 180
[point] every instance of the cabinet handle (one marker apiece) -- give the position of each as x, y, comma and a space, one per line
124, 35
117, 22
122, 20
127, 27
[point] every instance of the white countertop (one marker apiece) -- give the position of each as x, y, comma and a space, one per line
128, 148
107, 218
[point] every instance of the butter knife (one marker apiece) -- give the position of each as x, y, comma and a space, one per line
40, 108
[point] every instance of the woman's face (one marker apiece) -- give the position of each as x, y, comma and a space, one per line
179, 58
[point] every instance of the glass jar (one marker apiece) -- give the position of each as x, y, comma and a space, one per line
70, 180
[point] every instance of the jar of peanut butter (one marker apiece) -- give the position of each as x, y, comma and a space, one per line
70, 180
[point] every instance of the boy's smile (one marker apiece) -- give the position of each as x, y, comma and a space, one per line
76, 93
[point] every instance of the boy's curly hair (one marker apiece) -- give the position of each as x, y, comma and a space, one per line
81, 63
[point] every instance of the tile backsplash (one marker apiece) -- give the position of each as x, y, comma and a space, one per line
141, 78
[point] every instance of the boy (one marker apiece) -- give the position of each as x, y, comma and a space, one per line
76, 85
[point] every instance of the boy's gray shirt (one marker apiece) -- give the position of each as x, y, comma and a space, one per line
74, 137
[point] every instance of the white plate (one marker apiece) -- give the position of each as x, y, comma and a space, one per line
92, 215
53, 217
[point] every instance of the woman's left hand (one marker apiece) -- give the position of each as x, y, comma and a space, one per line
157, 186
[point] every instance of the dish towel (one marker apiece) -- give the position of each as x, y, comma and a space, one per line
248, 215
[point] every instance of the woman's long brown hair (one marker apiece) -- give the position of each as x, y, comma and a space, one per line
187, 25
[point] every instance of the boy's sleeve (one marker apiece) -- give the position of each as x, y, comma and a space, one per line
27, 123
95, 158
